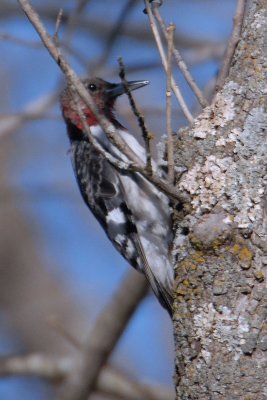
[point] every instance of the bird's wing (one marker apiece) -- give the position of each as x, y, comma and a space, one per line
103, 192
164, 296
162, 293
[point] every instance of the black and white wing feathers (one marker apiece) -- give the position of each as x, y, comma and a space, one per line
103, 192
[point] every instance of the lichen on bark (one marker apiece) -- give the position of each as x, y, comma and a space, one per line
220, 293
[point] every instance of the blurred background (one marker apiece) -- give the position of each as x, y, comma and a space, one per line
55, 261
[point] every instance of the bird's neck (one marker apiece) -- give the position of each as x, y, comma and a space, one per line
77, 132
76, 129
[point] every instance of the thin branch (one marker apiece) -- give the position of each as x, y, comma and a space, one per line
179, 60
146, 135
115, 33
170, 32
57, 325
58, 22
233, 41
22, 42
158, 41
57, 368
104, 336
38, 45
170, 190
204, 54
34, 110
53, 368
195, 56
122, 387
106, 125
72, 22
103, 27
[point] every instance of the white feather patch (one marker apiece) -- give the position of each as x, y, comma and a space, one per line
116, 215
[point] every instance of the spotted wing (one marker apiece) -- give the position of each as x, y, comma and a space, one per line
103, 192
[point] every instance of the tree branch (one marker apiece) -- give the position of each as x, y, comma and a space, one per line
56, 369
104, 336
146, 135
170, 156
179, 60
115, 32
158, 41
233, 41
36, 109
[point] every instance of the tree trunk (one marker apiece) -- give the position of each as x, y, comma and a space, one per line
220, 292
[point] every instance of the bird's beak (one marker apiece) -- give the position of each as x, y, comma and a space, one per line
118, 89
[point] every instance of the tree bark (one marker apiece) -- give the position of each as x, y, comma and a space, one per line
220, 303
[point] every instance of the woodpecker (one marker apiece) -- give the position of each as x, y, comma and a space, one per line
133, 212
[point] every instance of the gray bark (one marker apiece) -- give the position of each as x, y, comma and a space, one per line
220, 289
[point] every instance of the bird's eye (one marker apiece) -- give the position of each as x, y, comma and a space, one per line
92, 87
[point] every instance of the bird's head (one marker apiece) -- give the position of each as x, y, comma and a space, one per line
104, 95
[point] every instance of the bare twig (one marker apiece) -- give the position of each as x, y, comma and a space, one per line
204, 54
107, 126
233, 41
34, 110
56, 369
158, 40
102, 27
72, 22
146, 135
170, 32
28, 116
38, 45
163, 185
121, 387
57, 325
58, 22
116, 30
22, 42
104, 336
179, 60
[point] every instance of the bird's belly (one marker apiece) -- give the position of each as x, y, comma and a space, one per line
151, 214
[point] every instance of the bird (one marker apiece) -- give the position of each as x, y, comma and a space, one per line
135, 215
